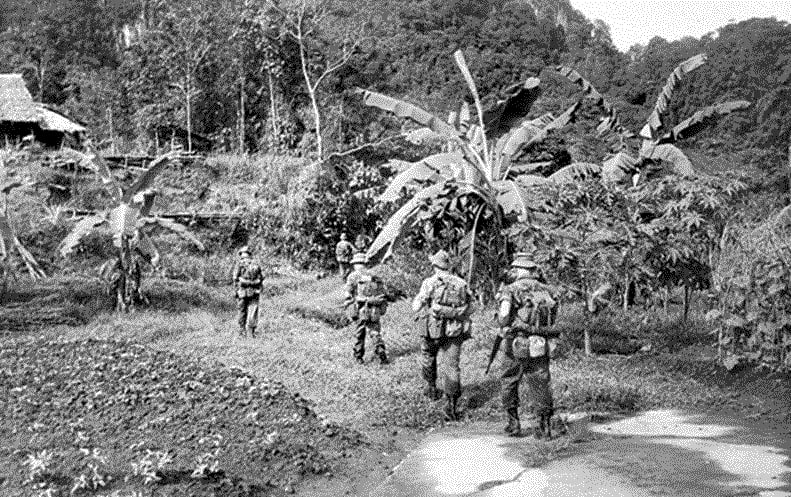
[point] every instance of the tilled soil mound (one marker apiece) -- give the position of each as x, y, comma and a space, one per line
159, 422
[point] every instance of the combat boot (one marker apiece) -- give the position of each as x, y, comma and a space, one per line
543, 430
513, 429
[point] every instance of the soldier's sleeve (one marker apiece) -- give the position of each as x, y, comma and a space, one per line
421, 299
236, 272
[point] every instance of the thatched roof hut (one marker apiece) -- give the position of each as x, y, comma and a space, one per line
20, 116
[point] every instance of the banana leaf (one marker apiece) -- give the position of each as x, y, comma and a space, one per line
143, 182
654, 125
417, 172
152, 222
510, 111
399, 221
404, 109
575, 172
84, 227
671, 154
701, 119
617, 167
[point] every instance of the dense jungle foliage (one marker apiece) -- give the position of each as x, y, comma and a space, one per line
299, 156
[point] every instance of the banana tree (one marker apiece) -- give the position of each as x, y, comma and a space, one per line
483, 168
658, 137
131, 225
9, 241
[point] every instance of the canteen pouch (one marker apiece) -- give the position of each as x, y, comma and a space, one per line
369, 313
520, 347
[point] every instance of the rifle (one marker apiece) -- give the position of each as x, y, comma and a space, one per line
495, 348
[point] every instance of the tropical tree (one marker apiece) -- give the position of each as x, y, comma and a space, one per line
130, 222
483, 170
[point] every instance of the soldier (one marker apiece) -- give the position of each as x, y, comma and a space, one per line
449, 304
366, 303
343, 254
361, 243
526, 307
247, 278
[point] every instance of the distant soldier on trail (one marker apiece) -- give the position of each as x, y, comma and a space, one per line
344, 251
448, 303
527, 306
247, 279
366, 303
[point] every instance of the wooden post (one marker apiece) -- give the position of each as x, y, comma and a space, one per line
687, 296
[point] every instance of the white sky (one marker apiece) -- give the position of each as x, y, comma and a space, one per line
637, 21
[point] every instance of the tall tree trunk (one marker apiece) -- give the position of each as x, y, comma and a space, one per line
241, 112
687, 296
273, 116
189, 119
303, 58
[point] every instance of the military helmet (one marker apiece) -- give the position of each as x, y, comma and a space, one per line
244, 250
441, 260
522, 260
360, 258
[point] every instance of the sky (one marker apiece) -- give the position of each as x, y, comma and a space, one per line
637, 21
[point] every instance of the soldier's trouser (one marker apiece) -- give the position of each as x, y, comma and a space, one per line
536, 374
247, 315
374, 332
449, 351
344, 268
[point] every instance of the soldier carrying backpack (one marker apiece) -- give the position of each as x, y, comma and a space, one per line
366, 303
528, 306
344, 251
449, 305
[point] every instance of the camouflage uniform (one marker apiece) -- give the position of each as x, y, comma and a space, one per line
365, 312
443, 335
526, 345
247, 278
344, 251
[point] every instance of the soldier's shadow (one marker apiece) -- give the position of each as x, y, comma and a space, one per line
479, 394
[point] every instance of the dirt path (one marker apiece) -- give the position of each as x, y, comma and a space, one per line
655, 453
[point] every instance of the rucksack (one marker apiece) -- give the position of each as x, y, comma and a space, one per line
343, 251
449, 299
370, 290
537, 308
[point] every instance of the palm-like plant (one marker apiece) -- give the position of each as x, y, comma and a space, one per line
483, 169
658, 138
130, 222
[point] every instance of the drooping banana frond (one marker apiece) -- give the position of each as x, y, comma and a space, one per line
84, 227
94, 162
143, 182
407, 110
399, 221
513, 199
152, 222
618, 167
510, 111
478, 140
654, 126
575, 172
611, 122
123, 221
701, 119
671, 154
451, 165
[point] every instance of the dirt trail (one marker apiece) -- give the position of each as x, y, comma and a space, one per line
656, 453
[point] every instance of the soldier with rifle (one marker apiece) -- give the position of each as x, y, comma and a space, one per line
448, 304
527, 308
247, 278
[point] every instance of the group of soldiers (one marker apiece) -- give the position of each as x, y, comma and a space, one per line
527, 309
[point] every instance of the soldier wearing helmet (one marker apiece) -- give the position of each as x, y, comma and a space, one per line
527, 307
247, 279
449, 304
366, 303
